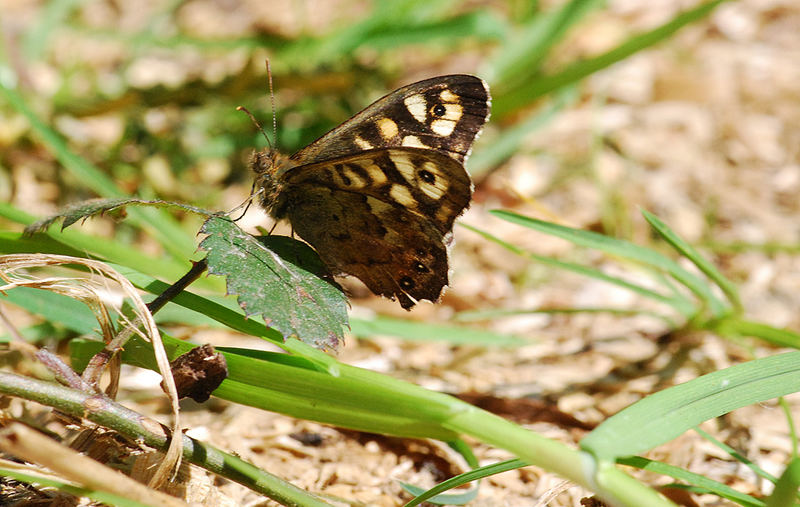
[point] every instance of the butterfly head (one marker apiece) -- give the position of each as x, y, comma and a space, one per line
268, 165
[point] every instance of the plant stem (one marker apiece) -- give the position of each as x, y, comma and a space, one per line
178, 287
105, 412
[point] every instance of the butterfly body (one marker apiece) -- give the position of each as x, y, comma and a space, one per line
377, 196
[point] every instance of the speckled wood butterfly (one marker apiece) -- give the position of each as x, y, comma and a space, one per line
377, 196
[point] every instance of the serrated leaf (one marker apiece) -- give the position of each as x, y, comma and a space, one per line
85, 209
279, 278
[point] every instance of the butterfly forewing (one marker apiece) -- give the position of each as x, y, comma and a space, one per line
444, 113
428, 184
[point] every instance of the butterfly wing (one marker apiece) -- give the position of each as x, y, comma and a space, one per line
425, 183
444, 113
384, 216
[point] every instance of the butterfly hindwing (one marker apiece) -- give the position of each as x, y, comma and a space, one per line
386, 246
444, 114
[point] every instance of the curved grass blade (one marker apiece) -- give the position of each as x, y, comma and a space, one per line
513, 100
666, 414
681, 304
739, 327
688, 251
622, 249
434, 493
699, 482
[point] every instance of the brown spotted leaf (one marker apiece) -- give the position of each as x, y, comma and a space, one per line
280, 279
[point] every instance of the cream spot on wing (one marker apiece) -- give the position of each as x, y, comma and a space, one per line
402, 196
379, 207
388, 128
443, 127
375, 173
446, 123
417, 106
414, 142
453, 112
363, 143
404, 167
356, 181
448, 96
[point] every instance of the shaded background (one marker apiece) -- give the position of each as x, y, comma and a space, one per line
701, 129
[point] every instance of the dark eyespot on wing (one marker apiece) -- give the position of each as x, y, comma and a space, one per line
427, 176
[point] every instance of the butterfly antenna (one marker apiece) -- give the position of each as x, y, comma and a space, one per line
256, 123
274, 109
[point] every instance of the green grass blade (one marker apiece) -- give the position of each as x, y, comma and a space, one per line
55, 308
707, 485
509, 140
740, 327
483, 315
679, 302
161, 225
72, 242
291, 385
36, 38
519, 59
525, 94
421, 331
688, 251
433, 493
666, 414
363, 400
733, 453
625, 250
785, 492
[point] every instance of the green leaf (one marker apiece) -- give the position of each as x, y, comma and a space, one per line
666, 414
86, 209
280, 279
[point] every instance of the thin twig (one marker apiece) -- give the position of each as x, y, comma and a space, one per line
178, 287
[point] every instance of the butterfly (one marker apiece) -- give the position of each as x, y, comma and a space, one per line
377, 196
